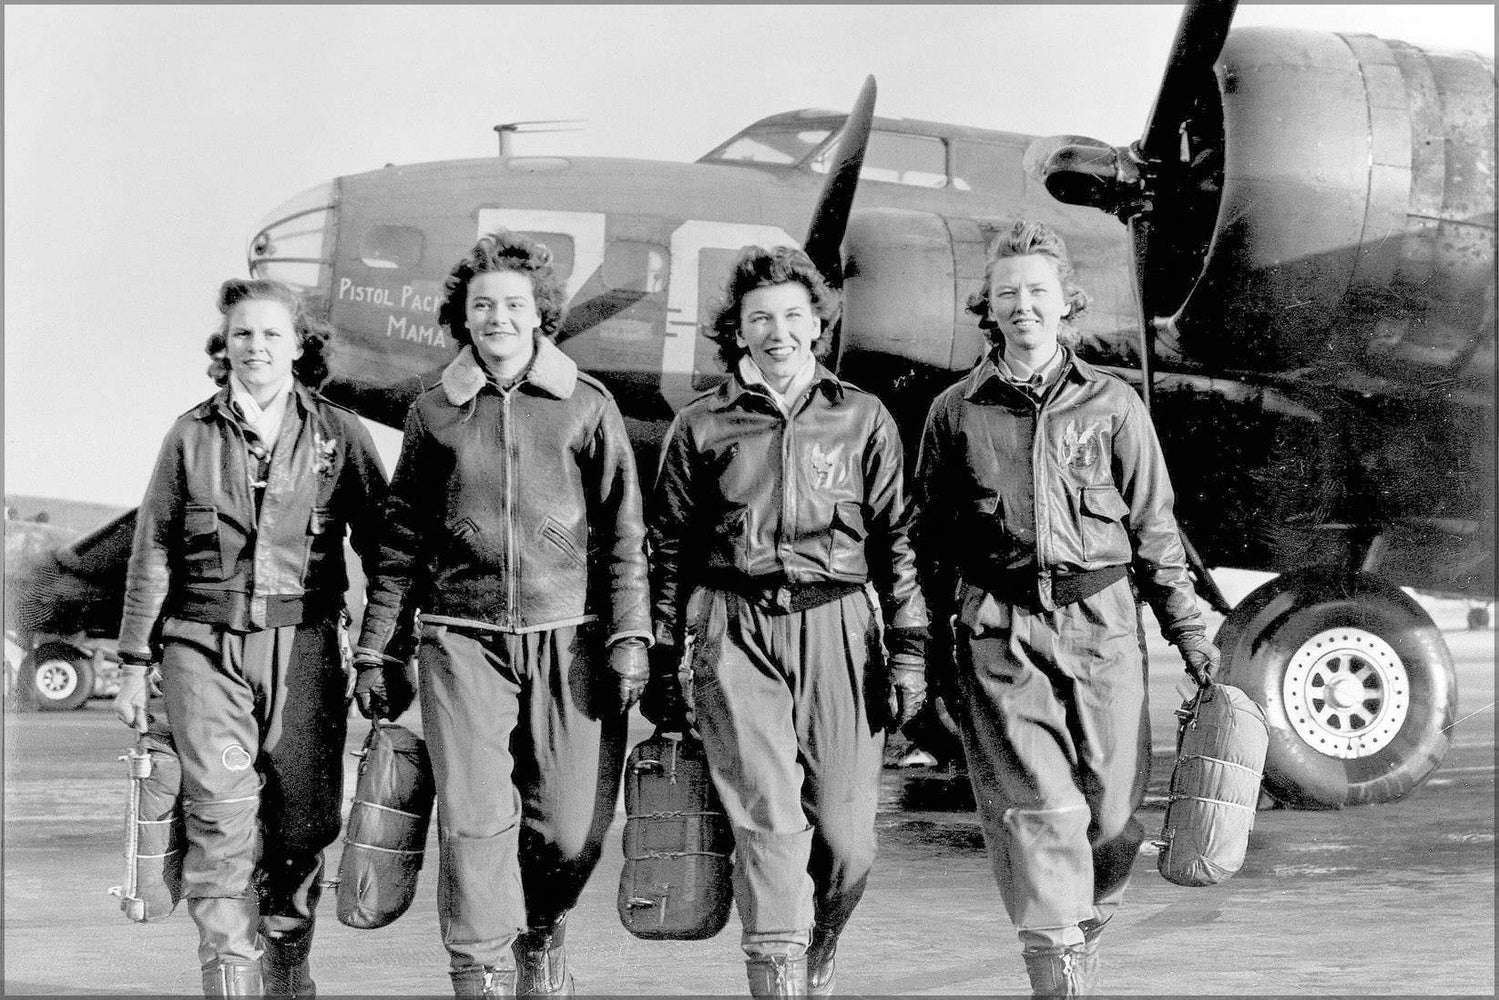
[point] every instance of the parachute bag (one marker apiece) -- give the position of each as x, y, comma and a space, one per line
385, 840
155, 833
1215, 786
677, 843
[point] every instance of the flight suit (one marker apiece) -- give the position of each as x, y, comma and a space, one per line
259, 721
237, 575
514, 525
766, 531
1039, 508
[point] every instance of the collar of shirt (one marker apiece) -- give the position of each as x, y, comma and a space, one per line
504, 385
1036, 378
265, 420
750, 374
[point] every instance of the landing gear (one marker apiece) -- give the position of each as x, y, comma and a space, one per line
55, 677
1357, 685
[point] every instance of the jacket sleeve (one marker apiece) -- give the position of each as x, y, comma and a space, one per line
932, 518
892, 560
158, 527
672, 518
617, 521
1159, 561
362, 487
402, 520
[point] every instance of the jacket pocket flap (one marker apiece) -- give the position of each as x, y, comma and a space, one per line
200, 519
1104, 502
559, 536
987, 504
849, 515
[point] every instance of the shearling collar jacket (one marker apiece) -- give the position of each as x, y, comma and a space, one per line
1015, 494
205, 551
513, 509
750, 498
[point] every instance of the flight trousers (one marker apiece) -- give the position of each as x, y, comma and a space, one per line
259, 721
786, 715
527, 749
1056, 729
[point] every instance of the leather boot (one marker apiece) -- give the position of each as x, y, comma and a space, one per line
1056, 972
777, 976
231, 979
541, 962
482, 982
285, 967
822, 969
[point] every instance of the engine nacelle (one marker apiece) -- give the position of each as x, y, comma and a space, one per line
1356, 221
899, 287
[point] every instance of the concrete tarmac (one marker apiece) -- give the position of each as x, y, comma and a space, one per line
1382, 900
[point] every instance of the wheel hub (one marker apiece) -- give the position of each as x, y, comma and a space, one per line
56, 679
1346, 693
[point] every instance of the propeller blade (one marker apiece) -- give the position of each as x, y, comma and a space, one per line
824, 243
1200, 35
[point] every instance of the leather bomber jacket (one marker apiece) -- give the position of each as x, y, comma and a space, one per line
203, 554
1009, 489
748, 498
517, 511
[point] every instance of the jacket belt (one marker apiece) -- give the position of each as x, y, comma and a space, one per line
780, 597
1019, 586
1074, 587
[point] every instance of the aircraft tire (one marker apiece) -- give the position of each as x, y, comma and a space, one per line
1357, 685
55, 677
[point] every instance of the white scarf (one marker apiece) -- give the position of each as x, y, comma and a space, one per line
265, 420
750, 374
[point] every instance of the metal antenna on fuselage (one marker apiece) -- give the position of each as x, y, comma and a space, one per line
505, 130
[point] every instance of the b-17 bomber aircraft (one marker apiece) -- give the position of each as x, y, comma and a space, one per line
1294, 265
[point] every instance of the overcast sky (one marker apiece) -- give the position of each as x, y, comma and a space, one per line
144, 144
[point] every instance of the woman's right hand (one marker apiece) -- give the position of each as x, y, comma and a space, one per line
130, 703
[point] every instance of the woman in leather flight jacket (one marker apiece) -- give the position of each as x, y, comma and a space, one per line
514, 526
1041, 496
237, 578
779, 499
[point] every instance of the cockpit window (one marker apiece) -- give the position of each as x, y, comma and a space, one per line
400, 247
781, 146
897, 158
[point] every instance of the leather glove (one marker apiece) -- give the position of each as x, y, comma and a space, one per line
378, 694
130, 703
941, 664
400, 687
905, 690
631, 668
1201, 657
663, 702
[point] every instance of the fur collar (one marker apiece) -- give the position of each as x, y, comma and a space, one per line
552, 372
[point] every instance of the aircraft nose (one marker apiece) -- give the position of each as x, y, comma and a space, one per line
295, 242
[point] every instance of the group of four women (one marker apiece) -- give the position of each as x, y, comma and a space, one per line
782, 613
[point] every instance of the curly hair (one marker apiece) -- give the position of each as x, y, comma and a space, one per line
314, 335
504, 251
1038, 239
758, 267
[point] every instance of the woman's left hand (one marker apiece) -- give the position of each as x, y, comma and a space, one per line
130, 703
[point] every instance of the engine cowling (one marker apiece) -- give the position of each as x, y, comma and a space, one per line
1356, 219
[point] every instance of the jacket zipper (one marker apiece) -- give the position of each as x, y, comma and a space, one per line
512, 573
1038, 500
788, 492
